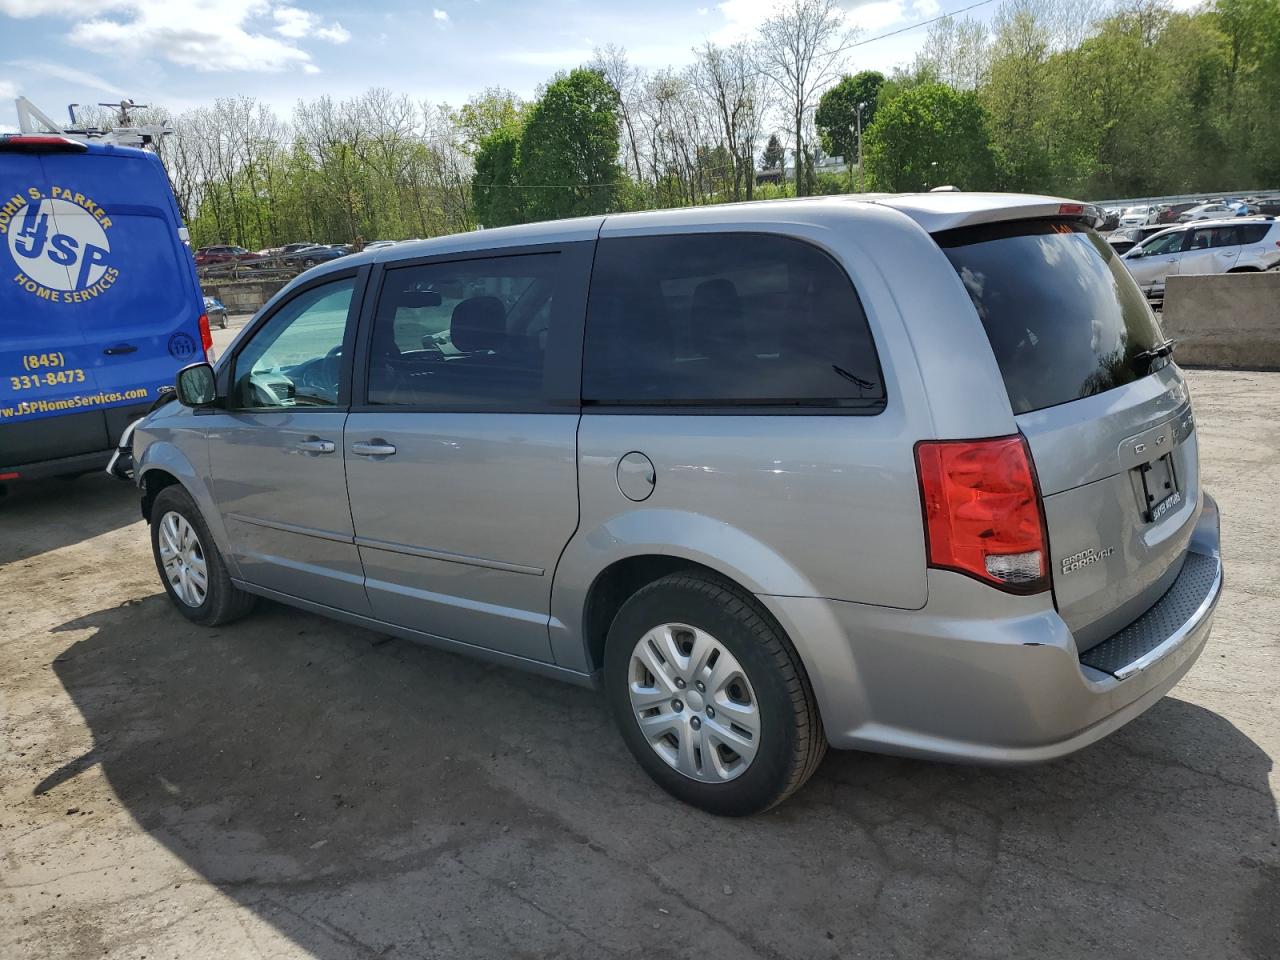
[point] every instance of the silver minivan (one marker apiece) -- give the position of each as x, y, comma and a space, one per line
913, 474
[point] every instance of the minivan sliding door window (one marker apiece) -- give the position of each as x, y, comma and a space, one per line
726, 320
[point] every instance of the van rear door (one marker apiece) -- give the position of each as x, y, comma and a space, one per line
48, 383
1106, 414
133, 284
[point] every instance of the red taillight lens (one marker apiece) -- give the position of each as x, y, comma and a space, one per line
982, 511
206, 335
9, 476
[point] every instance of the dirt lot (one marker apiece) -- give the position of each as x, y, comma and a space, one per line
289, 787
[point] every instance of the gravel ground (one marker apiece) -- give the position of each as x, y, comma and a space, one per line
291, 787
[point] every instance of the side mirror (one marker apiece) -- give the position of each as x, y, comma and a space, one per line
1134, 254
196, 385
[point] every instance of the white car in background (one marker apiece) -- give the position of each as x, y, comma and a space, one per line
1134, 216
1207, 211
1236, 245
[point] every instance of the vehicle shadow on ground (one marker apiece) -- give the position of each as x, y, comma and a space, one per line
369, 797
44, 515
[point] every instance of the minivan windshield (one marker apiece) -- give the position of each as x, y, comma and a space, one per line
1064, 317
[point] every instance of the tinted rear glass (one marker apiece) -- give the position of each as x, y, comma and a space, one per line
726, 319
1064, 317
1253, 232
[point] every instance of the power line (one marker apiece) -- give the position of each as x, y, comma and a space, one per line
922, 23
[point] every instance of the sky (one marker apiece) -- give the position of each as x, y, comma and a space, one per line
184, 53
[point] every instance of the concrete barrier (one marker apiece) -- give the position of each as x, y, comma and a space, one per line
243, 296
1229, 320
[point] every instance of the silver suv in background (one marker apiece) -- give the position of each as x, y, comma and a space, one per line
1238, 245
913, 474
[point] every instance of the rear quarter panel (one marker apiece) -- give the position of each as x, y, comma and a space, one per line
806, 505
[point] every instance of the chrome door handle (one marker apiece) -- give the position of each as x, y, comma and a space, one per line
373, 448
314, 445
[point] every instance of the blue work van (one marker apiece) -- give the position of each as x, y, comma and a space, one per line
99, 301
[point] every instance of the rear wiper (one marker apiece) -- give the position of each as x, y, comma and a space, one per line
853, 378
1149, 357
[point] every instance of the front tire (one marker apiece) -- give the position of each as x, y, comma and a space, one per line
710, 696
189, 564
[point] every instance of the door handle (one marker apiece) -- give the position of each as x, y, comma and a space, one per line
315, 446
118, 348
373, 448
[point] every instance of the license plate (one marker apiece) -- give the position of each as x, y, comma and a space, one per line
1160, 484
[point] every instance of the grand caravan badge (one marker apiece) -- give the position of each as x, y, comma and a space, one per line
59, 245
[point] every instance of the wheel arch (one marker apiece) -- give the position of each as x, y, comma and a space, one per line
161, 465
631, 549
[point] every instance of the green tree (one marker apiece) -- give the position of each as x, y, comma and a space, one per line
773, 155
488, 113
844, 109
927, 136
568, 164
495, 189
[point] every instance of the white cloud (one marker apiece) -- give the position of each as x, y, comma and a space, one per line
310, 68
295, 23
441, 15
57, 8
58, 71
209, 35
871, 17
926, 9
8, 90
292, 22
703, 11
334, 33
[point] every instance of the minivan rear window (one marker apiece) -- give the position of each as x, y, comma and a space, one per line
1064, 317
726, 319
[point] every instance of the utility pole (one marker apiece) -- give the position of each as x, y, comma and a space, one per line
861, 181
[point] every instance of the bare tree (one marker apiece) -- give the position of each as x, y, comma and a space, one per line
628, 80
801, 49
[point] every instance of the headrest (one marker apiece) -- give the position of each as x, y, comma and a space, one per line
718, 296
478, 323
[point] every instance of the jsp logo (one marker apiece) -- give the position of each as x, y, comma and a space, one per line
59, 245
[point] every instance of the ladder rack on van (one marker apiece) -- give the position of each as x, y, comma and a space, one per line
33, 120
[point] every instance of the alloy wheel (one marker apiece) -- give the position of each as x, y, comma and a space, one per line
182, 557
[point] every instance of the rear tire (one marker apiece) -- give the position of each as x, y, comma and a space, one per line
713, 636
190, 566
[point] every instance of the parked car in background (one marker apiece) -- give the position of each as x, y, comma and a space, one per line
99, 303
308, 255
1167, 213
207, 256
1212, 246
1134, 216
1110, 219
718, 462
1126, 238
1206, 211
216, 312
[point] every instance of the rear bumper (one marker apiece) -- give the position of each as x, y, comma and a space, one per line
1003, 683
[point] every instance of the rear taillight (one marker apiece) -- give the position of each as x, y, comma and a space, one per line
9, 476
206, 336
982, 511
40, 143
